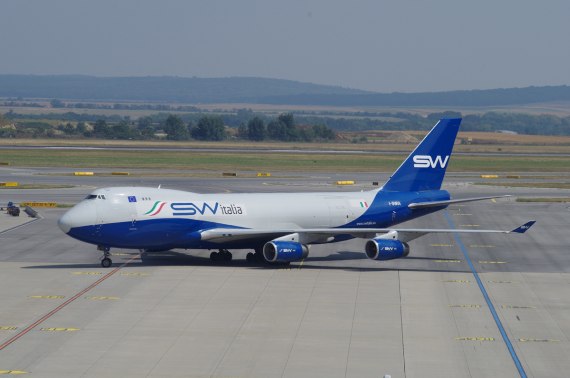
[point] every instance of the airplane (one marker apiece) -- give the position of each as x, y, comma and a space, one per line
278, 227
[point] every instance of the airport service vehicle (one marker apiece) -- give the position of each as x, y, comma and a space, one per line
12, 209
278, 227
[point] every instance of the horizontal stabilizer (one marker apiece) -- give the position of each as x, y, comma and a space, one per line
421, 205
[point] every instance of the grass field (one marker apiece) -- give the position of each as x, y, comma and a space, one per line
545, 199
387, 141
266, 162
550, 185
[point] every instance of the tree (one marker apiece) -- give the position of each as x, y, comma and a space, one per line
323, 132
101, 129
292, 133
175, 129
121, 130
434, 117
287, 119
144, 122
242, 131
81, 128
277, 130
306, 133
145, 128
55, 103
209, 128
68, 129
256, 129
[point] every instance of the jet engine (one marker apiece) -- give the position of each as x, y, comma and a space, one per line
386, 249
284, 251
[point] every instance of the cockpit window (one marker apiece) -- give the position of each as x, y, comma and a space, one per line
93, 196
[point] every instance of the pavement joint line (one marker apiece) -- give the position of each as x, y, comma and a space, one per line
502, 330
241, 327
295, 338
194, 317
61, 306
20, 226
401, 322
352, 324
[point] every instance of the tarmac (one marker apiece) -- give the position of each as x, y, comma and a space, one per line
335, 314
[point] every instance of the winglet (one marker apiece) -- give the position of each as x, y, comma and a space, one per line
524, 228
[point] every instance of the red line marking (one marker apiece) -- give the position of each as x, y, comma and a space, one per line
55, 310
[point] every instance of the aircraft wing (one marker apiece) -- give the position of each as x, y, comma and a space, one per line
420, 205
321, 234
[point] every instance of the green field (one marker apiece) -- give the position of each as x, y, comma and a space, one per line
267, 161
549, 185
545, 199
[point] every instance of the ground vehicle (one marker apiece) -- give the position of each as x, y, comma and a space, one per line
12, 209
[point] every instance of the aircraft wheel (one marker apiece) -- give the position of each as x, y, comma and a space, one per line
250, 258
214, 256
227, 256
106, 262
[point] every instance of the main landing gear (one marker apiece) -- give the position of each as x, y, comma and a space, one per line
221, 255
255, 258
106, 262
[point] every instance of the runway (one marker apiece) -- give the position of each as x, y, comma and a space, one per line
336, 314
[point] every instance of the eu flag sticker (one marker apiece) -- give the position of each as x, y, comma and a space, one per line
132, 199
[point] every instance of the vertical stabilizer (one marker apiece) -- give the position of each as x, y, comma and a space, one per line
425, 168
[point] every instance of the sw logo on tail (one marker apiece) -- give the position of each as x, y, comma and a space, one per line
426, 161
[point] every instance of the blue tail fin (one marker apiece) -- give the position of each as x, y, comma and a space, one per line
425, 167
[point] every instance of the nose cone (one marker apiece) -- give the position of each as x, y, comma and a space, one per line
66, 222
83, 214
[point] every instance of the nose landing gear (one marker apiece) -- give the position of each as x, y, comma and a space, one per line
106, 262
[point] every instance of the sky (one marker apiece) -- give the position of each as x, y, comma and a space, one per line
376, 45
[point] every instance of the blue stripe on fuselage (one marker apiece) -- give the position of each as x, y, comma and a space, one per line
162, 233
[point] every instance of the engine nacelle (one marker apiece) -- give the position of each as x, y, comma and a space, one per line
284, 251
386, 249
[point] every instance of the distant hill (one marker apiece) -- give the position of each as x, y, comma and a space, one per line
160, 88
487, 97
255, 90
